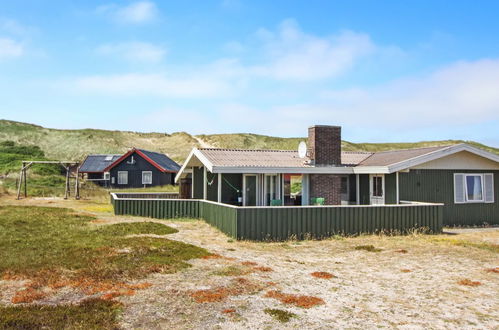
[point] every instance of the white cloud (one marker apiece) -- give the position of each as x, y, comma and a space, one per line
461, 93
135, 13
292, 54
452, 99
10, 48
134, 51
159, 85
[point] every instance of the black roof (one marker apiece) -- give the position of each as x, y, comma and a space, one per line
162, 160
97, 163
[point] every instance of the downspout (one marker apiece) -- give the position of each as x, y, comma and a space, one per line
397, 188
205, 183
357, 188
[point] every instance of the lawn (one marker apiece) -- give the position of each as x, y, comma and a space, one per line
85, 271
55, 248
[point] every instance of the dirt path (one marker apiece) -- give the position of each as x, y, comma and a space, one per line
202, 143
411, 283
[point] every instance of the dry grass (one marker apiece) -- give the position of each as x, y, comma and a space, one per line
237, 286
468, 282
263, 269
249, 263
324, 275
404, 270
27, 296
492, 270
401, 251
297, 300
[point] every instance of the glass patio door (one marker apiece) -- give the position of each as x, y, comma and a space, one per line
249, 190
271, 189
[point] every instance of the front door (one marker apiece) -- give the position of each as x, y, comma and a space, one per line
249, 190
377, 189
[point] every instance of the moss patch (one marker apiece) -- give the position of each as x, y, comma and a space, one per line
89, 314
369, 248
280, 315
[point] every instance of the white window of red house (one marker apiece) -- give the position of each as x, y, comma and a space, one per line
122, 177
146, 177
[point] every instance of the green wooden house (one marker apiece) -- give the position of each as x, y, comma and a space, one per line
463, 177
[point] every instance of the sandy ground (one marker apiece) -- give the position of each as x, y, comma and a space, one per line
414, 290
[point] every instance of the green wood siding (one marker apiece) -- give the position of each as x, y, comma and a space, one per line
212, 189
198, 178
391, 188
364, 189
437, 186
281, 223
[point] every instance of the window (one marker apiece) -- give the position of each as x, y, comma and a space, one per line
146, 177
122, 177
377, 186
106, 175
292, 189
344, 185
473, 188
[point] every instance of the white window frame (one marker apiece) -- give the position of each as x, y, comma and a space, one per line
377, 200
466, 175
107, 176
485, 195
120, 181
146, 172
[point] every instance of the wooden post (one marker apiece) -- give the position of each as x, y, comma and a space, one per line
20, 182
25, 183
77, 184
66, 191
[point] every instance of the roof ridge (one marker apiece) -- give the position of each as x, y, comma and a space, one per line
238, 149
418, 148
357, 152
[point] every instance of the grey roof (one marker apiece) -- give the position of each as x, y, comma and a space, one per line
162, 160
97, 163
385, 158
271, 158
284, 158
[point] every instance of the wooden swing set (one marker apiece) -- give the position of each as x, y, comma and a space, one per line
26, 164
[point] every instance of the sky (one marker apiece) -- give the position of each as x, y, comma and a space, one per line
386, 71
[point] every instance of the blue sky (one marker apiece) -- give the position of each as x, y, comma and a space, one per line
384, 70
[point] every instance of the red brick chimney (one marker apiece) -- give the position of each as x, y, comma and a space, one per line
324, 145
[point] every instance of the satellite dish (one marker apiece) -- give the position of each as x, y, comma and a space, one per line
302, 149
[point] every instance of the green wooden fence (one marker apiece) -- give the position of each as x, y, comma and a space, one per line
285, 222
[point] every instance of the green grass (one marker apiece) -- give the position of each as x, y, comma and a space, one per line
459, 242
12, 154
280, 315
39, 239
89, 314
